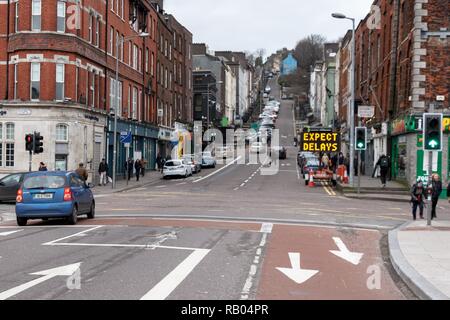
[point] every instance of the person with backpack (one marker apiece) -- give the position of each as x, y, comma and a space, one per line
383, 163
436, 190
418, 196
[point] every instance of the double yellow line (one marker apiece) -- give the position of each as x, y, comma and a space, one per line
328, 189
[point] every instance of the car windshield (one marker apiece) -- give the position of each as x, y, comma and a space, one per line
44, 182
173, 163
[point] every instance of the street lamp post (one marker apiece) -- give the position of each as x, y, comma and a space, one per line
119, 42
351, 121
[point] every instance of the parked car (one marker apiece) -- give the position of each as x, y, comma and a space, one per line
257, 147
282, 152
208, 161
9, 186
57, 194
191, 159
177, 168
223, 152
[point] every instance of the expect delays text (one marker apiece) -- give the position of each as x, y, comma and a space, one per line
320, 141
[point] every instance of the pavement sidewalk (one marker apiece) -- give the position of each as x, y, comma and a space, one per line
421, 256
371, 189
121, 184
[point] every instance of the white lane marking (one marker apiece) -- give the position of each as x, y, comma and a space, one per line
344, 253
253, 269
7, 233
242, 185
165, 287
296, 273
71, 236
235, 189
246, 181
266, 228
217, 171
161, 187
46, 275
119, 245
182, 183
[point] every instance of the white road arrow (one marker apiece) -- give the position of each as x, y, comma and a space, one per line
7, 233
46, 275
296, 273
344, 253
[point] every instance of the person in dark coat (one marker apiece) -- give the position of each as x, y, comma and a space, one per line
138, 168
341, 159
383, 163
436, 190
42, 167
159, 162
103, 172
129, 168
418, 195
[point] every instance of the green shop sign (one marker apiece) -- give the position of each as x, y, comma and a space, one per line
410, 124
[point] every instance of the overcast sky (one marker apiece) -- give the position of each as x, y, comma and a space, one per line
241, 25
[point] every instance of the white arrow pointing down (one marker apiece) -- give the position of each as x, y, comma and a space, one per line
344, 253
46, 275
296, 273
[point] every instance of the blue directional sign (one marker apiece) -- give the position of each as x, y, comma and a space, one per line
126, 137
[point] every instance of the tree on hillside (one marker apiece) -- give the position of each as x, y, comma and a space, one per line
309, 50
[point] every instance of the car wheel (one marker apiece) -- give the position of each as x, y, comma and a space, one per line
91, 214
72, 220
21, 222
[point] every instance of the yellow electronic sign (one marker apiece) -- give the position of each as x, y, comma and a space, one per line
320, 142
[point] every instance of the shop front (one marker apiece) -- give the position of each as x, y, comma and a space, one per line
143, 145
409, 161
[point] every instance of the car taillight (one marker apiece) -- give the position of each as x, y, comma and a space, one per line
19, 197
67, 194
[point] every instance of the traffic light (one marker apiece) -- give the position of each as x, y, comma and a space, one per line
37, 147
29, 142
432, 132
360, 138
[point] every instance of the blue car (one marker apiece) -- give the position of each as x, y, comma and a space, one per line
45, 195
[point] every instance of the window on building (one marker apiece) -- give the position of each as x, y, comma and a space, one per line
166, 76
134, 103
16, 75
130, 53
166, 47
111, 41
119, 98
130, 101
180, 73
135, 56
8, 144
170, 80
62, 133
59, 82
112, 5
175, 70
140, 60
117, 42
92, 90
97, 32
36, 15
121, 9
121, 48
139, 105
112, 93
170, 52
118, 7
35, 81
16, 20
91, 28
61, 16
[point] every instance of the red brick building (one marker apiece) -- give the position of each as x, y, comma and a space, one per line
57, 76
403, 70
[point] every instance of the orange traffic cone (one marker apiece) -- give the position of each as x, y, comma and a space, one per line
311, 180
345, 177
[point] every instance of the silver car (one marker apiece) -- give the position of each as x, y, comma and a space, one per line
177, 168
208, 161
193, 162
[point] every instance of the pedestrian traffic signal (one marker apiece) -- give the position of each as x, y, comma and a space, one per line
432, 133
361, 138
29, 142
37, 145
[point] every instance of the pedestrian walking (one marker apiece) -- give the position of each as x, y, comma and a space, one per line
295, 142
143, 166
103, 172
158, 162
129, 168
82, 172
436, 190
42, 167
418, 195
383, 163
137, 168
325, 161
341, 159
